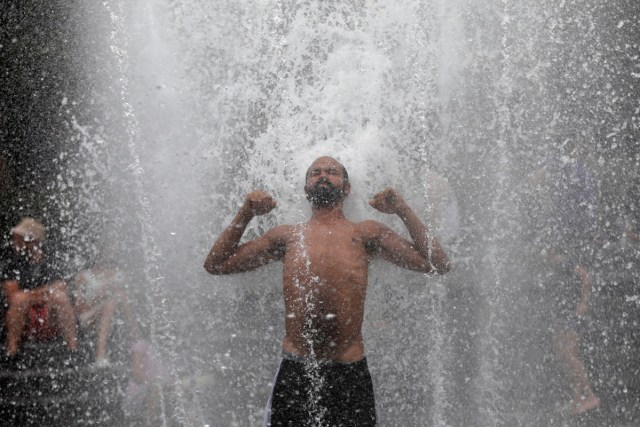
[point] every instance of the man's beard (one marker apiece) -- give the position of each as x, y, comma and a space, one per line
324, 194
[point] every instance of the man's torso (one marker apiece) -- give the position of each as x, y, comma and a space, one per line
28, 275
325, 284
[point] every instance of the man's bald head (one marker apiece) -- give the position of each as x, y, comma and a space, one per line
328, 160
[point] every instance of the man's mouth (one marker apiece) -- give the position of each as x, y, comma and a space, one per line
324, 184
323, 193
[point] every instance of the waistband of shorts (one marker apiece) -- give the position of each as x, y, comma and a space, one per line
307, 360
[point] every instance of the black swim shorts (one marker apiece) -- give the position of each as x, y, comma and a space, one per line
321, 394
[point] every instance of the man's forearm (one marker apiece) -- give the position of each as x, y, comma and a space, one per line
585, 289
428, 247
228, 241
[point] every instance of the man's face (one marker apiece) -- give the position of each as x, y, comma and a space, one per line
326, 183
27, 247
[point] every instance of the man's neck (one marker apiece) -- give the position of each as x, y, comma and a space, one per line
31, 259
327, 214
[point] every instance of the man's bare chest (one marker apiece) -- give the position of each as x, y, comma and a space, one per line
327, 253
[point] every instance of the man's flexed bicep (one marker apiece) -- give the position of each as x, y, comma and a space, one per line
390, 202
394, 248
219, 259
267, 248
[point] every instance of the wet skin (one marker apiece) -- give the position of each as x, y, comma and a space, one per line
326, 263
325, 284
55, 293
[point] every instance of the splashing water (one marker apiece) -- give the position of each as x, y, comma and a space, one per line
451, 102
156, 301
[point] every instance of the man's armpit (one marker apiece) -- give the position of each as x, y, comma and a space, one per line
279, 250
369, 234
372, 247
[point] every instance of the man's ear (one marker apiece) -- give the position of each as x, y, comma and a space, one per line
346, 189
306, 192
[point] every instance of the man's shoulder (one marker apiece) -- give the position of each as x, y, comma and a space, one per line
8, 256
281, 231
283, 228
369, 226
12, 265
82, 275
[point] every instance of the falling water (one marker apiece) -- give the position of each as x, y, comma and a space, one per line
156, 302
393, 91
454, 103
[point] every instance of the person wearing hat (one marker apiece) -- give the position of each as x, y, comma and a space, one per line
28, 278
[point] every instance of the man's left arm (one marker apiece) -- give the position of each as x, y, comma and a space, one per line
585, 290
562, 262
389, 201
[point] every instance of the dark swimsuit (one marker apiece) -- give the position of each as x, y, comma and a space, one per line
310, 392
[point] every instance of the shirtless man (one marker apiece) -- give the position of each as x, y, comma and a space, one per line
323, 378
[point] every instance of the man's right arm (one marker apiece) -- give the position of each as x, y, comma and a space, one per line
8, 275
227, 257
9, 287
563, 262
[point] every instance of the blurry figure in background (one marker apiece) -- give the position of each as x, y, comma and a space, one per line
567, 237
101, 297
99, 292
141, 402
30, 281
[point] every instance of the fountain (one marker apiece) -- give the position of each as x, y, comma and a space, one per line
183, 106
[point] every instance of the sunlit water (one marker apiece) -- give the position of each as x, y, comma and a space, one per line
216, 99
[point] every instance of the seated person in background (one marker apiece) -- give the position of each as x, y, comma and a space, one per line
148, 378
28, 279
99, 292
